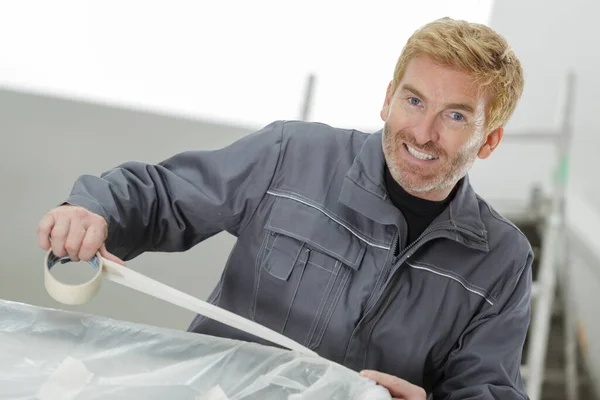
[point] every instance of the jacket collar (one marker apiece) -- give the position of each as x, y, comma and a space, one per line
364, 191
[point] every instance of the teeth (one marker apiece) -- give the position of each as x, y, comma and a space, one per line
419, 155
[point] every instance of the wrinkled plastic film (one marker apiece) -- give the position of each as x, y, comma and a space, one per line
124, 361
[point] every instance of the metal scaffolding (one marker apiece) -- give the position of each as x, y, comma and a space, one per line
554, 268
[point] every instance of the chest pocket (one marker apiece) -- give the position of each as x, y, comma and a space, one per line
303, 268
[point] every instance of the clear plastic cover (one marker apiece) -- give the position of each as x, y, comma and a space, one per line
53, 354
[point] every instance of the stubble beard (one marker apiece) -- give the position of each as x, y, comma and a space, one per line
447, 175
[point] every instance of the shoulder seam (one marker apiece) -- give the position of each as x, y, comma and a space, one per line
275, 169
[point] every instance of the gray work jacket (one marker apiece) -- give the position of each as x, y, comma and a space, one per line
314, 258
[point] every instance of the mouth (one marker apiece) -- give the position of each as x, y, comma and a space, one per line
419, 154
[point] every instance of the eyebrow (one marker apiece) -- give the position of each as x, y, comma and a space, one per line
457, 106
461, 106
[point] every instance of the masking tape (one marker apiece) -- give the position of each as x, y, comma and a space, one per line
66, 382
71, 294
216, 393
82, 293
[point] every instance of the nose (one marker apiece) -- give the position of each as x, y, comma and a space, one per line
425, 129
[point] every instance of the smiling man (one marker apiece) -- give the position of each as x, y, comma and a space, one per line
371, 249
431, 140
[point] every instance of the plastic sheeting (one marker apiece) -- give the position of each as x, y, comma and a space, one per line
51, 354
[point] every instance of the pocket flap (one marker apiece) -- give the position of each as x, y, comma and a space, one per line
312, 226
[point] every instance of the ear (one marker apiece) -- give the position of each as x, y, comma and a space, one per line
385, 110
492, 141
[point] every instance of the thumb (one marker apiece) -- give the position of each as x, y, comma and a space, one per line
398, 388
109, 256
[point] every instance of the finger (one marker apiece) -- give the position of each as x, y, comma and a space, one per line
77, 232
396, 386
59, 233
43, 230
91, 243
104, 253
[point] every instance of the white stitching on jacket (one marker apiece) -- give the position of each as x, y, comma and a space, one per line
328, 214
447, 275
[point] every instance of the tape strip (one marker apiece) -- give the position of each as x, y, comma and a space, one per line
216, 393
66, 382
80, 294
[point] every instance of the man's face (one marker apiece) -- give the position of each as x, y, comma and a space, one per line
434, 128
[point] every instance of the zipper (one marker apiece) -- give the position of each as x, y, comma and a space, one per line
406, 253
396, 261
386, 272
451, 228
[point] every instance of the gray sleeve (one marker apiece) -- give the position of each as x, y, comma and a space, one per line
485, 363
175, 204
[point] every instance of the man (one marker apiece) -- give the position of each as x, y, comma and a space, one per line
371, 249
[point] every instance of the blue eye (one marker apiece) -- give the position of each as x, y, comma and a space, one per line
457, 116
414, 101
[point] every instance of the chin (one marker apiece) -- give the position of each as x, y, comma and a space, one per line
409, 181
420, 187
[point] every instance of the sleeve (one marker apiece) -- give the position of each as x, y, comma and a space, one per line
485, 363
177, 203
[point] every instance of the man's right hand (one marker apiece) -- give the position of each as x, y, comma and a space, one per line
76, 232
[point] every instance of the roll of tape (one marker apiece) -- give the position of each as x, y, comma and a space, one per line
71, 294
82, 293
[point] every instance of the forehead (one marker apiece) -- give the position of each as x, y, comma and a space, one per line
442, 83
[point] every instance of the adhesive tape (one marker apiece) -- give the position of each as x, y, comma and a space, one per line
82, 293
67, 293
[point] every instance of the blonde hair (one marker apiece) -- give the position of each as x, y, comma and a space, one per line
477, 50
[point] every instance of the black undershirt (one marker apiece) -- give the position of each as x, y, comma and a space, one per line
419, 213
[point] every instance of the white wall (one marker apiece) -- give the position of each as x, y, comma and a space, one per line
47, 143
584, 268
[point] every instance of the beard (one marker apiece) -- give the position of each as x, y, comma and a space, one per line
443, 173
